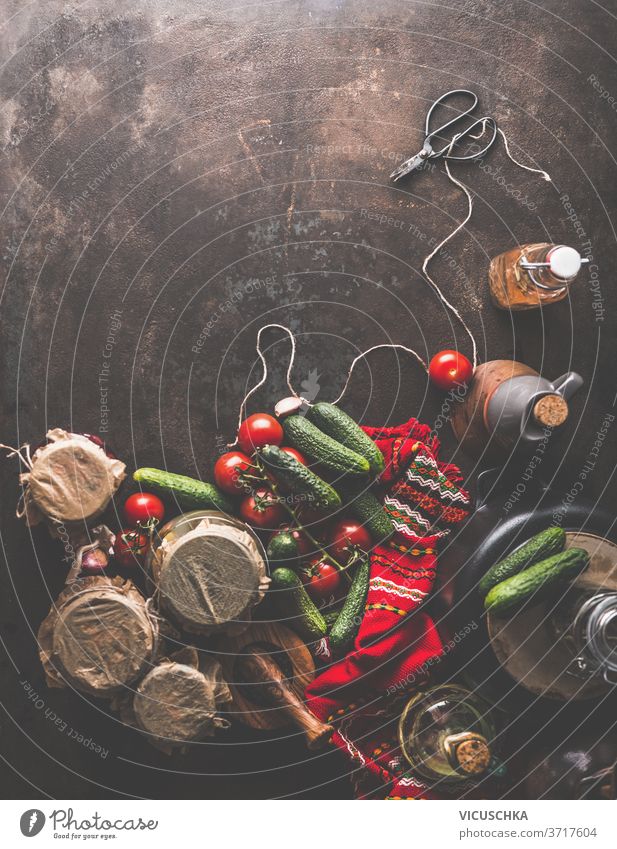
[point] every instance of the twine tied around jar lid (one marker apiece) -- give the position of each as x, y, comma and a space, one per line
99, 637
177, 702
209, 579
69, 480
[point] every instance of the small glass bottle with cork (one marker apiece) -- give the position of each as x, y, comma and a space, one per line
447, 734
532, 276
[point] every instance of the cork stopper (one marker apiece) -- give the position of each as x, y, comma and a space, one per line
551, 411
468, 752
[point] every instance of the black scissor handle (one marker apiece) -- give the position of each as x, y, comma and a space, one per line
486, 122
442, 99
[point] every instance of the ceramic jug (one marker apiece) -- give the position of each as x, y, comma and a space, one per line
513, 404
524, 406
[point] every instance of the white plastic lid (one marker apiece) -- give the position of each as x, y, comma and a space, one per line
564, 262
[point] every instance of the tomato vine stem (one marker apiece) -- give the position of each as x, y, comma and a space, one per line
264, 479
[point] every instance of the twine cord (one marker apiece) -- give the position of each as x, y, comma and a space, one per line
374, 348
463, 223
16, 452
26, 459
264, 376
427, 276
545, 175
436, 250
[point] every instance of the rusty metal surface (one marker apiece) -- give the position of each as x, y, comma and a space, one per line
175, 175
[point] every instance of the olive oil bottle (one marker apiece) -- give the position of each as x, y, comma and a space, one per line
447, 735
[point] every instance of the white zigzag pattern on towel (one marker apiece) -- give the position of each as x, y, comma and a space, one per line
405, 508
434, 485
404, 529
391, 588
411, 782
401, 528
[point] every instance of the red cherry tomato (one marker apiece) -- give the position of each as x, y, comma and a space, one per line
320, 578
305, 546
227, 471
295, 454
258, 430
344, 536
129, 548
141, 507
262, 511
449, 369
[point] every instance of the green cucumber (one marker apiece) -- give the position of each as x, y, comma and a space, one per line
542, 545
298, 478
537, 582
308, 439
335, 423
188, 492
346, 626
295, 607
330, 616
282, 548
370, 511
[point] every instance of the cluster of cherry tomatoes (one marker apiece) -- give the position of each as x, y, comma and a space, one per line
321, 578
142, 511
261, 509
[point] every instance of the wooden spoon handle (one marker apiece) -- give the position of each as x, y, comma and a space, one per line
272, 689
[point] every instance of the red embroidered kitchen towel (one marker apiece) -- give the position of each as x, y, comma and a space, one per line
396, 642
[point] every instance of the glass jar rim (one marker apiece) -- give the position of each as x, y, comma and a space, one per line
590, 628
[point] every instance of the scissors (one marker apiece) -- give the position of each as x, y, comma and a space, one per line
428, 152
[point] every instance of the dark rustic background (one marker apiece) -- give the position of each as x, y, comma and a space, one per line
167, 165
